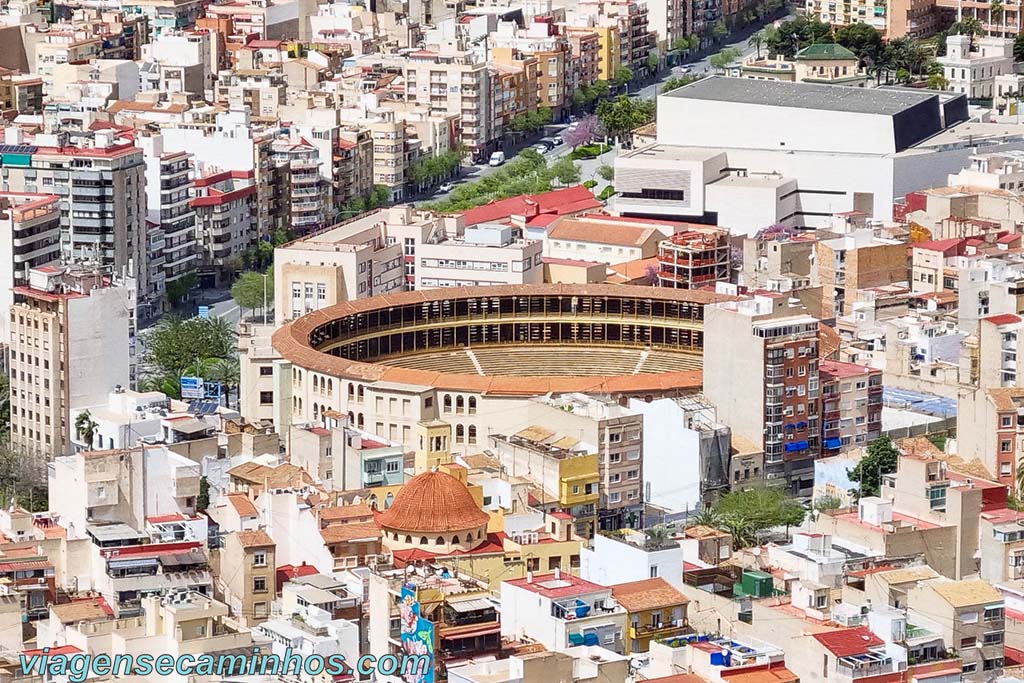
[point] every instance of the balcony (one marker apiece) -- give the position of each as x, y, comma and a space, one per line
663, 630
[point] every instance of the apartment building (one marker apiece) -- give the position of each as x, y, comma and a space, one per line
541, 41
859, 260
561, 610
851, 405
604, 239
630, 20
69, 346
166, 15
20, 93
992, 171
225, 214
29, 238
171, 221
263, 91
564, 470
389, 156
343, 457
485, 254
514, 77
248, 572
970, 616
584, 68
67, 45
450, 79
101, 176
992, 424
765, 381
354, 259
693, 259
307, 190
655, 610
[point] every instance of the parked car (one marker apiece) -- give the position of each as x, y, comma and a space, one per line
543, 149
558, 141
446, 187
497, 159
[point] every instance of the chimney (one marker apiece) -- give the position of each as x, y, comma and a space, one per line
558, 573
529, 577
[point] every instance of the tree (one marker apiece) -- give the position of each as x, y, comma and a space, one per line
254, 290
606, 172
652, 63
996, 12
719, 31
623, 75
179, 289
85, 428
756, 41
174, 344
676, 82
797, 33
225, 371
624, 114
880, 459
5, 405
203, 499
862, 40
762, 507
937, 82
566, 171
827, 502
968, 26
584, 132
656, 537
1018, 47
724, 58
681, 44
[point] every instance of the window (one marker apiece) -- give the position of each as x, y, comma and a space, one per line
615, 497
654, 572
1006, 421
259, 558
266, 398
260, 609
993, 613
614, 437
970, 641
633, 474
266, 371
1004, 446
993, 638
259, 584
392, 466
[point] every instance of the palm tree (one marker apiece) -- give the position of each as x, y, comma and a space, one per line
968, 26
756, 41
657, 537
742, 532
85, 427
223, 370
706, 517
996, 12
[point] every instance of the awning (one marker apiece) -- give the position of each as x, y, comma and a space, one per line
470, 631
797, 446
132, 564
471, 605
833, 443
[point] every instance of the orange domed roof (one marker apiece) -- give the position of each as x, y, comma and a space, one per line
433, 502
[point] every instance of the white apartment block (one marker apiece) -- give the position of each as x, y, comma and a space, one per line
977, 73
994, 171
69, 346
101, 176
29, 238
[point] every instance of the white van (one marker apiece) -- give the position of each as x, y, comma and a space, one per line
497, 159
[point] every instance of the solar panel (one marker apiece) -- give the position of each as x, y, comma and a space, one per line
203, 407
18, 149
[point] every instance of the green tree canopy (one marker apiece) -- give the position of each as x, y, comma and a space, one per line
620, 116
762, 507
606, 172
862, 40
652, 62
1018, 47
566, 171
797, 33
881, 458
251, 291
174, 344
623, 75
724, 58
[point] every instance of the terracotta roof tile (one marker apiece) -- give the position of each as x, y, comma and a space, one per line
257, 538
637, 596
433, 502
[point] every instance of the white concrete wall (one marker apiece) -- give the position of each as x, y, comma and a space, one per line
611, 562
672, 456
712, 123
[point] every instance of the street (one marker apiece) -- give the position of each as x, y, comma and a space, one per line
588, 168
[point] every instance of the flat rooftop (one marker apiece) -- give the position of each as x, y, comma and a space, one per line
877, 101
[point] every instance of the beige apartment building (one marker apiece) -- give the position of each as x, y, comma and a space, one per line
970, 616
449, 79
989, 428
65, 46
858, 260
69, 347
249, 575
851, 405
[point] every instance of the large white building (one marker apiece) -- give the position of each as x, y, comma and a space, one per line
980, 74
754, 153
